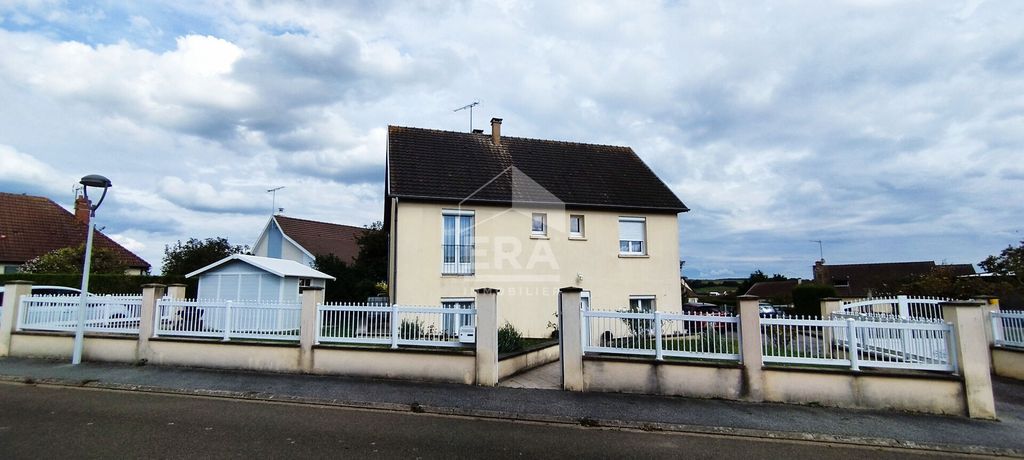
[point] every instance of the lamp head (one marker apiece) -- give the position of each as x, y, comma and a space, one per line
95, 180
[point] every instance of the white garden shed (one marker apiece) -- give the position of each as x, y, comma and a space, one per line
254, 278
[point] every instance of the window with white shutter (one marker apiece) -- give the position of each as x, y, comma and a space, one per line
632, 236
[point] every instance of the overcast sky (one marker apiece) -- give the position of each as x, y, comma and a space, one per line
892, 131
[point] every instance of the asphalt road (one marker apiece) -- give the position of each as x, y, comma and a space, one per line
62, 422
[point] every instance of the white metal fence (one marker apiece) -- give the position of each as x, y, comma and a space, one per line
1008, 328
901, 305
103, 313
392, 325
859, 341
227, 319
661, 334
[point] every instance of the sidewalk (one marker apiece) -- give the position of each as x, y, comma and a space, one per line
877, 428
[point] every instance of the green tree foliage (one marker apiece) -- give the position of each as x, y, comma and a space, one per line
943, 282
71, 259
1009, 264
187, 257
807, 298
365, 276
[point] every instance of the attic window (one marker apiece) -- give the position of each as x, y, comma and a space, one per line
841, 283
305, 282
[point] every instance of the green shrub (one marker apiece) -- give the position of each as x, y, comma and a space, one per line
509, 339
807, 298
103, 283
410, 329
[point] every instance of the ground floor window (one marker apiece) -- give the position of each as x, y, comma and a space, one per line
642, 303
452, 323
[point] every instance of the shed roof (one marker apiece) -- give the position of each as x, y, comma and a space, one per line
279, 267
434, 165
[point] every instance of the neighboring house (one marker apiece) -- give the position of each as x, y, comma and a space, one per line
688, 294
778, 292
863, 280
303, 240
31, 226
253, 278
527, 216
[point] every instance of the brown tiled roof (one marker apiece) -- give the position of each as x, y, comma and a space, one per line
31, 226
322, 238
863, 279
771, 289
435, 165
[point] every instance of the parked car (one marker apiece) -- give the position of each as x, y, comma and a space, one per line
115, 313
767, 310
46, 290
705, 309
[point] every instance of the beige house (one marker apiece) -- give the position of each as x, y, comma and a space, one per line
527, 216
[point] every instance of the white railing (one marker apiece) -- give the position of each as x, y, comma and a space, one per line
661, 334
864, 341
103, 313
227, 319
1008, 328
901, 305
393, 325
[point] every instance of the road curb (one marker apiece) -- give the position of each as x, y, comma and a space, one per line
525, 417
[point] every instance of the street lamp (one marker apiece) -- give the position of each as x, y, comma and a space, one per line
92, 180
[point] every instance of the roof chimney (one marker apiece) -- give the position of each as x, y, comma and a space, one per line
82, 210
496, 131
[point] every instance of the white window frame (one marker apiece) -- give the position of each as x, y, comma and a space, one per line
457, 267
640, 299
543, 223
643, 241
450, 324
583, 226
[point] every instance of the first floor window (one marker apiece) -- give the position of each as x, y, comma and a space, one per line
452, 322
632, 235
457, 243
540, 224
575, 226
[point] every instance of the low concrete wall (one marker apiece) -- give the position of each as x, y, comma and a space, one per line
435, 366
929, 394
522, 362
625, 375
59, 346
224, 355
934, 394
1008, 362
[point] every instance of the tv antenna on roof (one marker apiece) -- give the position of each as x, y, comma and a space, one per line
273, 202
470, 107
821, 252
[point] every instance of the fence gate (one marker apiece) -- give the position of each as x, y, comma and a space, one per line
903, 306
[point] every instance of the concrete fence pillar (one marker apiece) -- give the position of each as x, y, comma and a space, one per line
148, 316
972, 355
991, 305
830, 305
176, 291
13, 291
570, 337
311, 297
487, 337
750, 340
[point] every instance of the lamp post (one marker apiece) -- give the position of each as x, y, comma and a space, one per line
92, 180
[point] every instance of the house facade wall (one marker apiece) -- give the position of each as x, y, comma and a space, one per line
274, 244
529, 270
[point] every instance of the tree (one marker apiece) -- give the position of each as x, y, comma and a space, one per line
943, 282
807, 298
363, 277
71, 260
1009, 264
187, 257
